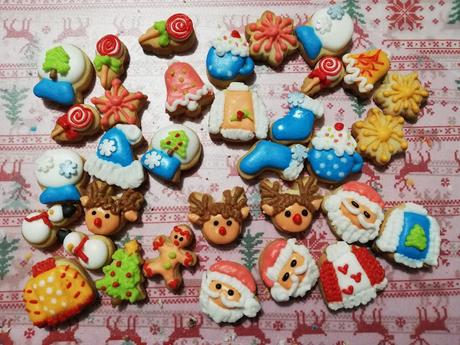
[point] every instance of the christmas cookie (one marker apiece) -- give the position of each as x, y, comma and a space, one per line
332, 155
123, 280
65, 73
271, 38
228, 292
106, 210
354, 212
228, 60
80, 121
172, 149
296, 127
291, 210
401, 95
327, 33
58, 290
364, 70
186, 94
327, 74
349, 276
114, 160
379, 136
111, 58
172, 255
287, 161
238, 114
118, 105
221, 222
410, 236
287, 269
175, 35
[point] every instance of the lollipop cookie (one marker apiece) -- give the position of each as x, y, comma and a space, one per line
80, 121
111, 58
328, 73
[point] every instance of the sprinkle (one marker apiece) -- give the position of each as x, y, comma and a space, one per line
76, 294
49, 291
41, 283
116, 284
69, 284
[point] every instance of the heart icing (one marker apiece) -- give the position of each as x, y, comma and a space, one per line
343, 269
356, 277
348, 290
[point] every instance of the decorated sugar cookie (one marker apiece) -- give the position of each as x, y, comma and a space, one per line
296, 127
111, 58
349, 276
328, 33
172, 255
410, 236
79, 122
287, 269
172, 149
114, 160
327, 74
291, 210
58, 290
271, 38
238, 114
228, 60
354, 212
228, 292
65, 73
221, 222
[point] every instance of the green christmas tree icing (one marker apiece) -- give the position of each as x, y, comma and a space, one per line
416, 238
454, 15
13, 98
163, 39
249, 251
176, 142
6, 249
56, 61
353, 8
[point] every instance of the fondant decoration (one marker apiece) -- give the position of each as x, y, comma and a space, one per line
80, 121
111, 58
328, 73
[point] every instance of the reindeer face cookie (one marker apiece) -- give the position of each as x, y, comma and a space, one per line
221, 222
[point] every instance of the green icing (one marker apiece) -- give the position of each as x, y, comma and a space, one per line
113, 63
167, 265
172, 255
416, 238
163, 39
57, 59
176, 142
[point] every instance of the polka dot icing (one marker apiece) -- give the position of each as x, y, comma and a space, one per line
336, 138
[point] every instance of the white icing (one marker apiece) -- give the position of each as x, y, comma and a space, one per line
35, 232
296, 165
56, 214
237, 46
152, 160
76, 63
334, 34
298, 99
132, 133
51, 177
237, 134
354, 75
107, 147
325, 140
94, 248
190, 100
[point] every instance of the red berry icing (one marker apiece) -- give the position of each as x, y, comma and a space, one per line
339, 126
179, 26
235, 34
108, 45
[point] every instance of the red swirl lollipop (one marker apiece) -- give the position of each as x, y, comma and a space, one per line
179, 27
109, 45
80, 117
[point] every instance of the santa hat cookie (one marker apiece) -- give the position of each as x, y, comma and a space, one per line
349, 276
287, 269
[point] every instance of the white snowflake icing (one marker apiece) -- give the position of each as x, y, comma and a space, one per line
68, 168
323, 24
107, 147
45, 163
299, 152
152, 160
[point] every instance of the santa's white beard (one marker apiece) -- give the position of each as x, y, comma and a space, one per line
297, 289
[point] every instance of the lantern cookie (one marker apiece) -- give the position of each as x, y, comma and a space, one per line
228, 60
228, 292
80, 121
327, 74
175, 35
58, 290
123, 280
349, 276
65, 73
291, 210
410, 236
114, 160
107, 211
271, 38
354, 212
111, 58
287, 269
296, 127
238, 114
221, 222
172, 256
172, 149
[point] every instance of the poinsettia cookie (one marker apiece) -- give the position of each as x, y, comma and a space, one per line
111, 59
171, 36
173, 149
228, 60
327, 74
238, 114
287, 269
409, 236
186, 94
271, 38
79, 122
228, 292
66, 73
349, 276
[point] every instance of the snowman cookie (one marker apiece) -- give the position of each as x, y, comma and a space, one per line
78, 123
111, 59
326, 75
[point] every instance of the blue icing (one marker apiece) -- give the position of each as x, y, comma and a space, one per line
309, 40
265, 155
59, 194
296, 125
61, 92
228, 66
123, 154
165, 167
410, 220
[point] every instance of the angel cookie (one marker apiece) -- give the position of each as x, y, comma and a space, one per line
327, 74
111, 58
79, 122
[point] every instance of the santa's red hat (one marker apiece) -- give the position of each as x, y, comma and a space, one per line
233, 274
273, 252
365, 191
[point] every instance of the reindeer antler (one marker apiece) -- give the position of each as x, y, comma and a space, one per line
130, 201
308, 191
200, 204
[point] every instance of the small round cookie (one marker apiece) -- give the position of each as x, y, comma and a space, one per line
111, 59
327, 74
79, 122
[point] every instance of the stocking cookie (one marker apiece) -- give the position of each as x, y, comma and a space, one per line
80, 121
111, 58
221, 222
327, 74
172, 256
228, 292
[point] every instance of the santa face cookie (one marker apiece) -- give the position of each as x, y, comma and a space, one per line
410, 236
287, 269
65, 73
221, 222
228, 60
172, 149
354, 212
327, 74
238, 114
349, 276
296, 127
79, 122
291, 210
228, 292
111, 58
328, 33
186, 94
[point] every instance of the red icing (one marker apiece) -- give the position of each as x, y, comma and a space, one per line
367, 63
356, 277
343, 269
43, 216
178, 229
365, 190
188, 259
297, 219
179, 26
370, 265
237, 271
339, 126
158, 242
235, 34
181, 79
222, 231
108, 45
348, 291
329, 282
268, 258
43, 266
327, 67
78, 251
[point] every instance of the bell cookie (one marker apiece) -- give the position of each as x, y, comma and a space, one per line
326, 75
111, 59
79, 122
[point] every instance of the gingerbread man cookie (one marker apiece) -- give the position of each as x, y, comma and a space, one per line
80, 121
111, 58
